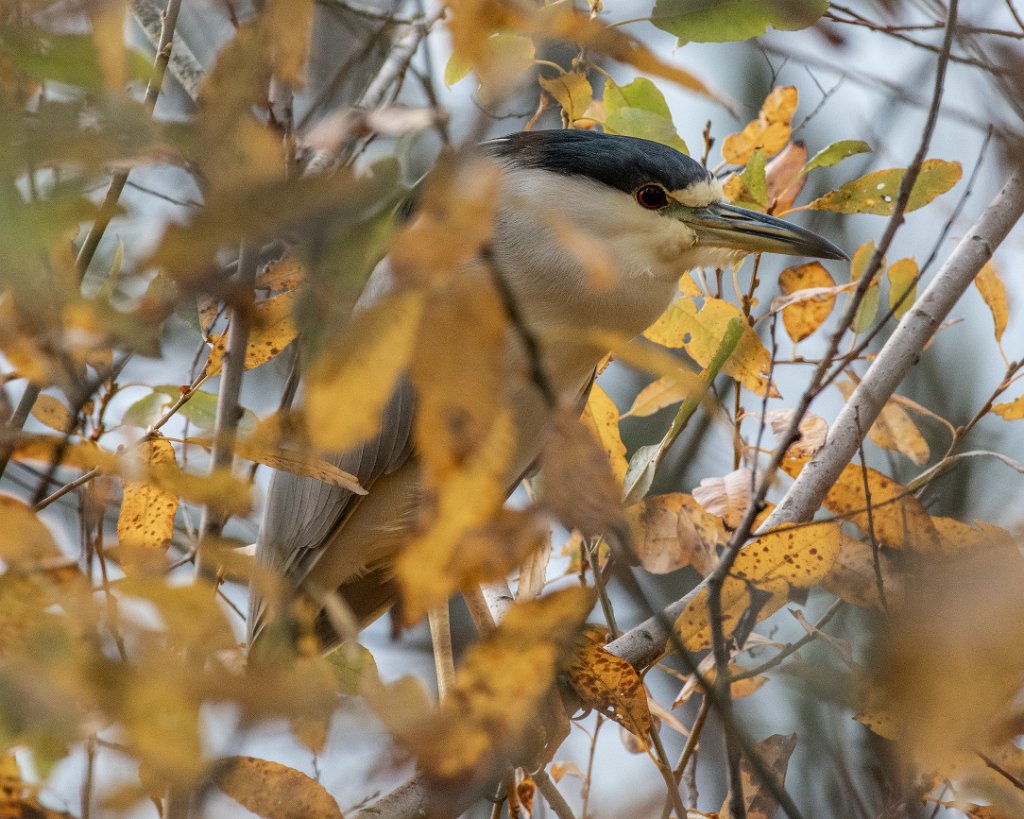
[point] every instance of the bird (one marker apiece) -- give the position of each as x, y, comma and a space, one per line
654, 213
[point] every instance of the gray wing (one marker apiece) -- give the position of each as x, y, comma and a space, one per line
301, 513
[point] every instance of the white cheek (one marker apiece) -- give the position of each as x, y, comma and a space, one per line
673, 243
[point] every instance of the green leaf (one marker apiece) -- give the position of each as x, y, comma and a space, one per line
640, 110
200, 409
636, 122
641, 93
876, 192
351, 664
723, 21
146, 410
836, 153
867, 310
66, 58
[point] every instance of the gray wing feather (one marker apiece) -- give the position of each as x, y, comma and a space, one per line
301, 513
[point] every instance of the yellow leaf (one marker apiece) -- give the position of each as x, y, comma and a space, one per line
948, 667
146, 519
673, 531
286, 273
456, 69
572, 91
353, 380
769, 133
272, 331
53, 412
803, 318
899, 519
601, 417
454, 220
657, 395
219, 489
298, 463
791, 557
24, 539
234, 150
459, 372
609, 683
287, 24
994, 293
963, 537
876, 192
107, 19
700, 334
191, 615
78, 454
466, 498
1010, 410
484, 721
274, 791
894, 429
903, 280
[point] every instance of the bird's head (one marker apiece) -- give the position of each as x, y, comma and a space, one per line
638, 212
618, 184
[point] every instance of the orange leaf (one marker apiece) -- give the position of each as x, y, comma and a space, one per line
803, 318
769, 133
609, 683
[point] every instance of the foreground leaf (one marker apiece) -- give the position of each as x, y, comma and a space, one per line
351, 383
702, 22
484, 723
274, 791
601, 417
428, 569
146, 519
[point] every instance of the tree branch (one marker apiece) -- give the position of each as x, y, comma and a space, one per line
643, 644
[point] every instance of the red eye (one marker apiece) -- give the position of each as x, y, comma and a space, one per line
651, 197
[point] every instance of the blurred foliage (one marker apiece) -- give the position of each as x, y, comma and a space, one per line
108, 643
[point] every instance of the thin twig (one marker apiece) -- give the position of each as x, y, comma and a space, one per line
552, 795
118, 180
228, 408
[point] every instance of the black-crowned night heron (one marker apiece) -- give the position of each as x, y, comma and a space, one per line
651, 212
